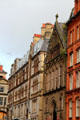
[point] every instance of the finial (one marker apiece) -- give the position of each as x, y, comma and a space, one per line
57, 17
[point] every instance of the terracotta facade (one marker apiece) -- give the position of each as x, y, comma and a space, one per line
73, 65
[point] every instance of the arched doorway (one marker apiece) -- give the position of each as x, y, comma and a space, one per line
54, 116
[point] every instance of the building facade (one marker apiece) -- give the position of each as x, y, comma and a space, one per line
18, 92
55, 74
25, 94
37, 72
73, 65
3, 94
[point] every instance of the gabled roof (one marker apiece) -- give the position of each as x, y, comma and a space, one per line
72, 16
62, 32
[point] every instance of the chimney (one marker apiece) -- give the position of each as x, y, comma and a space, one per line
1, 68
36, 38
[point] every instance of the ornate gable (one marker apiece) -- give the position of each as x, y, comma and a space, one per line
57, 43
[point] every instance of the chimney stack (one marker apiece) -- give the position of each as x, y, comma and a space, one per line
1, 68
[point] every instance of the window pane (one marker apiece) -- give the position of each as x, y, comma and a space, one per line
78, 79
70, 109
71, 59
71, 82
77, 107
1, 100
1, 89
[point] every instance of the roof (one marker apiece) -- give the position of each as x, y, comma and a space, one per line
1, 69
72, 16
41, 45
37, 35
44, 25
62, 32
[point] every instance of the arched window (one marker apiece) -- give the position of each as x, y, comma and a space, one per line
71, 81
54, 111
77, 107
70, 108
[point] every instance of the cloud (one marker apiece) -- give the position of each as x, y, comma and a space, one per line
20, 19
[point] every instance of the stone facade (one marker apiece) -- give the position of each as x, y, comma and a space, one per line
25, 95
55, 74
73, 65
18, 94
37, 72
3, 94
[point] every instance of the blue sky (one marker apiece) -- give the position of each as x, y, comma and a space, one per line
20, 19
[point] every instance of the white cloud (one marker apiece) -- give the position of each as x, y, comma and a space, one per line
20, 19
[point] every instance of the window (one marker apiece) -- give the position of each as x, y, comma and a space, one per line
35, 85
1, 89
78, 79
71, 82
1, 100
26, 90
70, 37
71, 59
1, 77
62, 103
78, 55
77, 33
77, 107
36, 62
70, 109
34, 105
5, 101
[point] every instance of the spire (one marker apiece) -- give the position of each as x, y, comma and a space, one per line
57, 17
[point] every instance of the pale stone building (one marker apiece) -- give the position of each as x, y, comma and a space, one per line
37, 72
3, 91
25, 94
18, 92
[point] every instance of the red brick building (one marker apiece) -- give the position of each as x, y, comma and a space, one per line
73, 65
